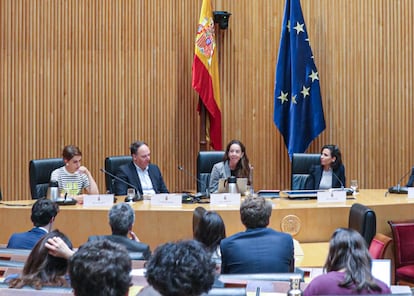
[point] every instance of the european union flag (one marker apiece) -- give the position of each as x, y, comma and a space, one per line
298, 112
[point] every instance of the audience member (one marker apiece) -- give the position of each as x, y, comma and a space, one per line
72, 177
348, 267
258, 249
197, 214
330, 173
100, 268
145, 176
179, 269
235, 163
42, 269
121, 220
210, 231
43, 215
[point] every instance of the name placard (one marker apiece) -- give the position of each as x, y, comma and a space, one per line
225, 199
410, 192
166, 200
331, 196
98, 200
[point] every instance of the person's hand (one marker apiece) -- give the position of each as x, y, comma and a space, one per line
79, 198
58, 248
133, 236
83, 170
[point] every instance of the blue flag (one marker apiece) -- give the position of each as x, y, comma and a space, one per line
298, 112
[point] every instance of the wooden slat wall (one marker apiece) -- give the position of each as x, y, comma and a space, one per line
101, 74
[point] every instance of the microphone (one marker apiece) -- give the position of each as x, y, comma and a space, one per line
398, 189
349, 191
137, 194
199, 195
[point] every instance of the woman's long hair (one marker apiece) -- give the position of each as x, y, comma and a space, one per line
348, 253
210, 230
243, 167
41, 268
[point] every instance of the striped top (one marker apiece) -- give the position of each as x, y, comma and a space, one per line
69, 183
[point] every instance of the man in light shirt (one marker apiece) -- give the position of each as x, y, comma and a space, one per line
43, 215
140, 172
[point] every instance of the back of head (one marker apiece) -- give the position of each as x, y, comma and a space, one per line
211, 230
41, 268
181, 269
197, 215
255, 212
348, 251
121, 218
43, 210
100, 268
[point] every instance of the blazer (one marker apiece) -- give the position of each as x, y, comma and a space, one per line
128, 172
315, 176
221, 170
26, 240
131, 245
259, 250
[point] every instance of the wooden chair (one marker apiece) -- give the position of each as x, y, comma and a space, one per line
379, 245
403, 237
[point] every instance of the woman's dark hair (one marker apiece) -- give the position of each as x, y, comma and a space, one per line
70, 151
243, 167
335, 152
197, 215
210, 230
41, 268
348, 251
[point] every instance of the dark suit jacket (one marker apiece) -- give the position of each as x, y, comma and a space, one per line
315, 176
410, 182
26, 240
128, 172
131, 245
260, 250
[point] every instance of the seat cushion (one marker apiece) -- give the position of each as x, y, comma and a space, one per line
405, 273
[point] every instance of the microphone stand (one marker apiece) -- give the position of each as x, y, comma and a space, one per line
199, 195
137, 197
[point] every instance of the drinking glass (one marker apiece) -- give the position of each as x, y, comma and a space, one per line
354, 186
131, 193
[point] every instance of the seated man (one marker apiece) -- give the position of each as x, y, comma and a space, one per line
182, 268
100, 268
258, 249
146, 177
121, 220
43, 215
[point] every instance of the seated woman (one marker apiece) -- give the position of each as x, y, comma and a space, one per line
330, 173
235, 163
74, 178
210, 231
348, 268
41, 268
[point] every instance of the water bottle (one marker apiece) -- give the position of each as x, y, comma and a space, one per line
295, 286
53, 191
232, 184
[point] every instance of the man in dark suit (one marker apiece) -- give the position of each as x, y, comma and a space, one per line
146, 177
43, 215
121, 220
258, 249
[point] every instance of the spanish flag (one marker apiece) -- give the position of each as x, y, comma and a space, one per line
206, 74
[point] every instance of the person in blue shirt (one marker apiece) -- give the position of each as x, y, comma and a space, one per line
43, 215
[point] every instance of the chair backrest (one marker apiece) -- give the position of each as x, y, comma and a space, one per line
379, 245
205, 162
112, 163
363, 220
39, 174
301, 163
403, 237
